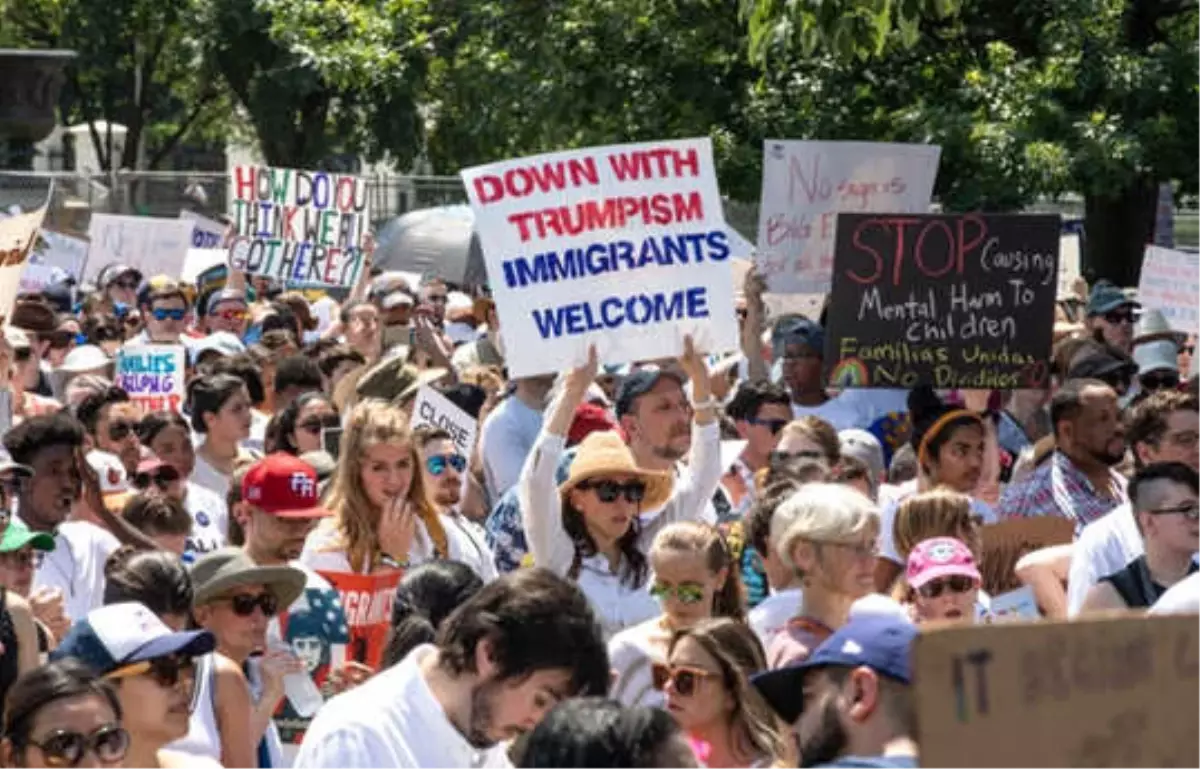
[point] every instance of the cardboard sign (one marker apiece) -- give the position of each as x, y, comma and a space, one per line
1170, 282
1014, 606
18, 235
154, 246
206, 233
1007, 542
1114, 691
367, 601
307, 227
54, 256
623, 247
432, 408
956, 301
153, 375
806, 184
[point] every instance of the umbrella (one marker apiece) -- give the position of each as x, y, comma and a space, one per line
439, 240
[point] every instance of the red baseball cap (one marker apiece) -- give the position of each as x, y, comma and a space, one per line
284, 486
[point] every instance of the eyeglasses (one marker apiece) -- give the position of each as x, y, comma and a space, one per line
317, 424
160, 313
777, 458
686, 593
1159, 380
120, 429
167, 671
244, 605
858, 550
1121, 316
774, 425
608, 491
238, 315
955, 583
685, 679
67, 748
436, 465
160, 477
1189, 510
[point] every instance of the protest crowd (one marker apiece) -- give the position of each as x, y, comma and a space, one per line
627, 505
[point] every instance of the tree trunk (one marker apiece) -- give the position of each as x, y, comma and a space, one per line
1116, 231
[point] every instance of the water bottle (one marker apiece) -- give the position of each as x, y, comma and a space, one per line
299, 688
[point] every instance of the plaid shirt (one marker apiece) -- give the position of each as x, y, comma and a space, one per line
505, 532
1059, 488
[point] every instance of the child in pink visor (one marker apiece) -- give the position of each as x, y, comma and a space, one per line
943, 581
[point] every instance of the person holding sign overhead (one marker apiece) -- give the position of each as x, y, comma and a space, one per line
590, 530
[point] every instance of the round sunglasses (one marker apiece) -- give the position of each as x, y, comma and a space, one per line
684, 679
63, 747
437, 464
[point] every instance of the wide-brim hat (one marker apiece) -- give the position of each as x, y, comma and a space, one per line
218, 572
1153, 326
603, 454
1160, 355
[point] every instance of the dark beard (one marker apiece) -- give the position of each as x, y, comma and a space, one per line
826, 741
1107, 459
479, 720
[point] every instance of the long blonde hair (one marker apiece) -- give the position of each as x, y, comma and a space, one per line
371, 423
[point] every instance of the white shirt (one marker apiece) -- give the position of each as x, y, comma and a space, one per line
1105, 546
257, 439
208, 477
76, 566
840, 412
210, 520
632, 655
1181, 598
391, 720
507, 437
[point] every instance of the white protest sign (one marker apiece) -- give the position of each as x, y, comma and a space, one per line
432, 408
1170, 282
623, 247
152, 245
206, 233
806, 183
18, 235
1014, 606
200, 259
153, 375
307, 227
1068, 265
56, 255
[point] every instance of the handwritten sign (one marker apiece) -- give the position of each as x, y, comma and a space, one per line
624, 247
299, 226
18, 235
432, 408
153, 246
956, 301
1114, 691
1170, 282
1014, 606
367, 601
206, 233
153, 375
55, 257
806, 184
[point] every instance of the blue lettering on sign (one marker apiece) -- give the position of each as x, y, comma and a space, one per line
148, 364
612, 312
205, 239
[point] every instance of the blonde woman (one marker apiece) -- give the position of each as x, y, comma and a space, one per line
695, 577
708, 692
826, 532
382, 517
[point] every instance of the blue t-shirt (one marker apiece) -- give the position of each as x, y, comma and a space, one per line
900, 762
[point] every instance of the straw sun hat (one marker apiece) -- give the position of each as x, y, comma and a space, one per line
604, 454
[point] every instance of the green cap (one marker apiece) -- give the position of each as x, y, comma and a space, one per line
18, 535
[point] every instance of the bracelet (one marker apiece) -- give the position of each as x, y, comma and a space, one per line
708, 403
392, 563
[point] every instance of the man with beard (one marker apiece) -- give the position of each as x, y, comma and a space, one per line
851, 701
111, 420
506, 656
1078, 482
444, 467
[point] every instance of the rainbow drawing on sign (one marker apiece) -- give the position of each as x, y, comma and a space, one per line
850, 372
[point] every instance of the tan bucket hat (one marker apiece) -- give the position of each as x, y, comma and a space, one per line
604, 454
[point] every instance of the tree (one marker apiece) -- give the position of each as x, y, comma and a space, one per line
139, 64
321, 77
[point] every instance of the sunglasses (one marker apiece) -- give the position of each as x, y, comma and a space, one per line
1189, 510
317, 424
686, 593
683, 678
65, 748
161, 477
163, 314
238, 315
244, 605
608, 491
774, 425
60, 340
167, 671
104, 334
120, 430
436, 465
778, 458
1159, 380
1121, 316
955, 584
129, 284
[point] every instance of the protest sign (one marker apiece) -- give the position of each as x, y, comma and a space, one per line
367, 601
623, 247
18, 235
1170, 282
1014, 606
308, 227
316, 629
54, 257
154, 246
1007, 542
806, 183
432, 408
153, 375
1068, 266
1113, 691
206, 233
199, 261
955, 301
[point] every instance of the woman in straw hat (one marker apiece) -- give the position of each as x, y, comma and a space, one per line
589, 530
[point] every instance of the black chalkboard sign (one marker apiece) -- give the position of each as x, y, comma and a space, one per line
956, 301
